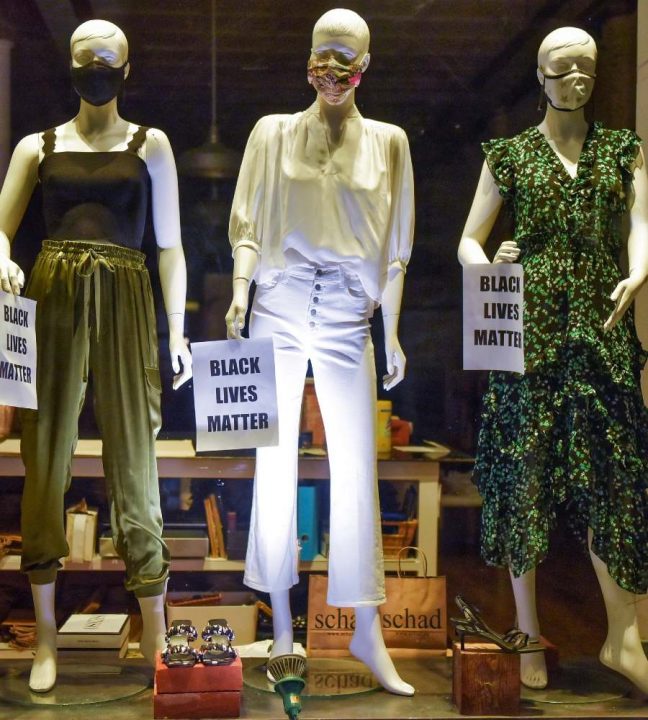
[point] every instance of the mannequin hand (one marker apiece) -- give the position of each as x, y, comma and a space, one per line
623, 295
507, 252
235, 318
181, 360
395, 363
12, 277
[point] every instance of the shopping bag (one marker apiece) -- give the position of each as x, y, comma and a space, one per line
413, 619
81, 531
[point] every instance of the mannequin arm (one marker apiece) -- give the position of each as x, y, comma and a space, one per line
624, 293
171, 260
245, 262
481, 218
17, 190
390, 305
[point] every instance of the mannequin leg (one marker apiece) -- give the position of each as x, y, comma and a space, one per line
533, 668
43, 673
154, 626
282, 629
368, 646
622, 650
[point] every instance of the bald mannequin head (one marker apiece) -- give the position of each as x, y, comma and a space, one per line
344, 25
100, 33
565, 38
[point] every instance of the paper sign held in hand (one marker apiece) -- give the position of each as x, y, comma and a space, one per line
493, 297
235, 394
17, 351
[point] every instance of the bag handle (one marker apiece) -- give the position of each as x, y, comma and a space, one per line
417, 550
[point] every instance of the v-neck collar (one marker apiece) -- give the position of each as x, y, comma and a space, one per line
542, 146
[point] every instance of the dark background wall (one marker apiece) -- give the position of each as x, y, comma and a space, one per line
451, 72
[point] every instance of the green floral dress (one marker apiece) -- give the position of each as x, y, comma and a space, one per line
574, 428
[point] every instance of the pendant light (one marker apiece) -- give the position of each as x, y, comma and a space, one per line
211, 160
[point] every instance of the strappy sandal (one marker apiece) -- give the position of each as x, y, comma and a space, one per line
217, 649
178, 652
472, 625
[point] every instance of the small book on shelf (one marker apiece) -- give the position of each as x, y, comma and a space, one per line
97, 631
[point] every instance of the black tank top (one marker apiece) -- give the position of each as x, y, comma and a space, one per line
95, 195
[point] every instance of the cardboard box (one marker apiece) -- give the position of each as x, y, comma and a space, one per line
94, 630
238, 608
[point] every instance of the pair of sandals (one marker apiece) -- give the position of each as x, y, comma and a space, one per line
216, 650
473, 625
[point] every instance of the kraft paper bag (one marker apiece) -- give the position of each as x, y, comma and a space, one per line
414, 618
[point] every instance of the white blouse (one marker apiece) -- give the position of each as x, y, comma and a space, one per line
298, 201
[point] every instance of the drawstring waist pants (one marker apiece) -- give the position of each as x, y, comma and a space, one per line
321, 314
94, 314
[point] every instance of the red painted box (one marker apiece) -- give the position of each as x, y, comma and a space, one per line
199, 678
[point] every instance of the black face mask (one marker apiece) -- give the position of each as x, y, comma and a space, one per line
96, 82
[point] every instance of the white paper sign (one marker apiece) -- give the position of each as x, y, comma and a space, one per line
235, 394
17, 351
492, 317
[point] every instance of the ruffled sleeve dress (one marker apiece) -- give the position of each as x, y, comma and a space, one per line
573, 429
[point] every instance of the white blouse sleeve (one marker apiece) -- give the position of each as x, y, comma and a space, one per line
401, 223
245, 227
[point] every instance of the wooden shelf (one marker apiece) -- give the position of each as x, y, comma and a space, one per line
319, 564
177, 459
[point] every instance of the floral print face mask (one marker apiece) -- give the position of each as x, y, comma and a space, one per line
331, 75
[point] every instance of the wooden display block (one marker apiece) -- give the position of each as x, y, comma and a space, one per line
198, 679
196, 705
485, 680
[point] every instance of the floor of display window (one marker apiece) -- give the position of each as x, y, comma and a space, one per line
572, 616
583, 690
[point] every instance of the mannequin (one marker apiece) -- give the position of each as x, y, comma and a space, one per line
95, 314
583, 358
322, 220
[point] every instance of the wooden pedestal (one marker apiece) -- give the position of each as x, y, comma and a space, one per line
200, 691
198, 705
485, 680
199, 678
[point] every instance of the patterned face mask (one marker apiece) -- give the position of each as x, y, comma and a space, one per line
329, 74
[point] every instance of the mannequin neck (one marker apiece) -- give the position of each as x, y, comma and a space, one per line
92, 119
558, 124
335, 115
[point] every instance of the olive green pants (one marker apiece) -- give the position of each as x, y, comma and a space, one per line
95, 314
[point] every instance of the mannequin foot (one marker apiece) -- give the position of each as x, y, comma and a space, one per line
373, 653
533, 670
42, 677
626, 656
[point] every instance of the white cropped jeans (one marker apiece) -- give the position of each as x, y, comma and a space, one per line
321, 314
